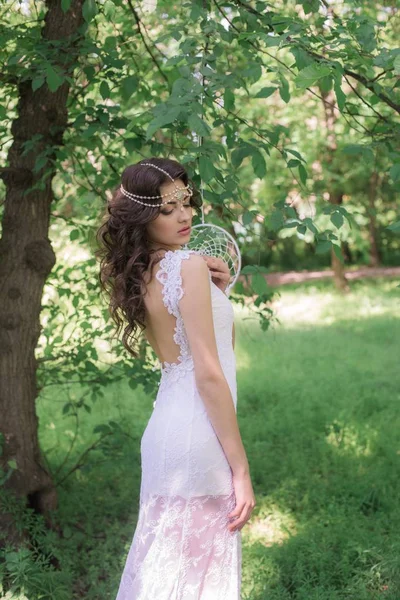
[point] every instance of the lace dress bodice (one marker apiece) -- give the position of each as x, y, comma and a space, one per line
169, 274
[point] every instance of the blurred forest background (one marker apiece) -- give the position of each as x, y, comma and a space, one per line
288, 114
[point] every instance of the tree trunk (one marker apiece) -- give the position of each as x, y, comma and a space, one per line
347, 253
335, 197
26, 259
374, 251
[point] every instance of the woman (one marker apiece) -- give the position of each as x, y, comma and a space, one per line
196, 493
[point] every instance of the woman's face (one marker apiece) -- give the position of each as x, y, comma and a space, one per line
174, 216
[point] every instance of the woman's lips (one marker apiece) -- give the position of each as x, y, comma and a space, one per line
184, 231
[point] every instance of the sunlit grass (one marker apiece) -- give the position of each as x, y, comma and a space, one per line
322, 304
271, 526
318, 408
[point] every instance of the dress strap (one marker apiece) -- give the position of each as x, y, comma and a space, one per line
169, 275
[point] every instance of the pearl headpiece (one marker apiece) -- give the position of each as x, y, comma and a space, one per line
178, 194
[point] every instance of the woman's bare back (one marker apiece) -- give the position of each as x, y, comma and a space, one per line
160, 325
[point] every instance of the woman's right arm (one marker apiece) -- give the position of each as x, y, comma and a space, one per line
196, 310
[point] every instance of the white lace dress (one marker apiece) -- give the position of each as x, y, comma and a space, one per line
182, 548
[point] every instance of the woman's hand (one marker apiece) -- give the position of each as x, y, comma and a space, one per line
219, 269
245, 502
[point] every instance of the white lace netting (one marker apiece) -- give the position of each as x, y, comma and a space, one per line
182, 548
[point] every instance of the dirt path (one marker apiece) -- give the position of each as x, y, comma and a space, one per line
274, 279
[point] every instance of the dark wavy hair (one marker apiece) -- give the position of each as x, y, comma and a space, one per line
123, 247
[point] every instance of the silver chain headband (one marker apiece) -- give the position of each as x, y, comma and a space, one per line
178, 194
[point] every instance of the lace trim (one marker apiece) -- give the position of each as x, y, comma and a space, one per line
169, 275
182, 549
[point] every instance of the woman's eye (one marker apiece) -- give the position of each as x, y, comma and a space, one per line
171, 211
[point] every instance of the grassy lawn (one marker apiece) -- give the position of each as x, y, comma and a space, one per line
318, 399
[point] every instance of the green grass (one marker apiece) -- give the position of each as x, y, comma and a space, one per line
318, 399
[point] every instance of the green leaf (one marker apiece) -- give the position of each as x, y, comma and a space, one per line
248, 217
290, 211
272, 40
275, 220
249, 270
259, 284
14, 60
337, 219
265, 92
323, 247
284, 88
365, 151
395, 172
206, 169
104, 90
89, 10
66, 407
229, 99
129, 86
340, 96
294, 152
303, 174
132, 144
65, 4
161, 120
53, 79
12, 463
37, 83
352, 149
396, 64
308, 222
302, 58
293, 162
311, 74
239, 154
110, 43
394, 226
365, 35
90, 366
198, 125
74, 235
102, 428
253, 71
40, 162
325, 84
258, 163
90, 72
310, 6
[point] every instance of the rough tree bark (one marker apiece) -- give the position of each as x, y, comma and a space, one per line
26, 259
